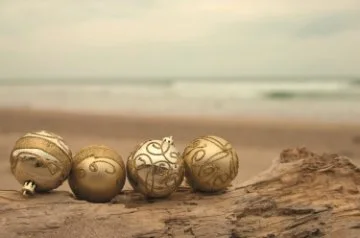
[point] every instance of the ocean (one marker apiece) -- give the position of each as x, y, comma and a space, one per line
322, 98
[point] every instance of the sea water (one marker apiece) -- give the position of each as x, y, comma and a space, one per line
325, 98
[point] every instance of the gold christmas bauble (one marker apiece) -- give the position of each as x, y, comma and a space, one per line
41, 161
211, 164
98, 174
155, 169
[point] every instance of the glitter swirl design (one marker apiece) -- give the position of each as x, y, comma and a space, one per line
155, 168
96, 166
211, 163
98, 174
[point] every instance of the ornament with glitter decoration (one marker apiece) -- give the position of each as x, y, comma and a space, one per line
155, 169
40, 161
98, 174
211, 164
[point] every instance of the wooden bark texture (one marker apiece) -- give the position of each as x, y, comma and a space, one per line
301, 195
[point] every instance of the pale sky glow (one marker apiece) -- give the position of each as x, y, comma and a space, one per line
66, 38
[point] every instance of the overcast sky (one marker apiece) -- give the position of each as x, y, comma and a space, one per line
67, 38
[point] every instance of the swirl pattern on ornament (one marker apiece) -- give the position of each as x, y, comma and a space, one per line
206, 167
106, 166
157, 167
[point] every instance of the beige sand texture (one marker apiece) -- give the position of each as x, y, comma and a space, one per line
258, 141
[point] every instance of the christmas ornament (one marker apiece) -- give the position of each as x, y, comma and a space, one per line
98, 174
41, 161
155, 168
211, 163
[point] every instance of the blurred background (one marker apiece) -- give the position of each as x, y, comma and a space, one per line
268, 74
279, 58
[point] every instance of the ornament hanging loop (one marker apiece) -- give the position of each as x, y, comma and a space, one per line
28, 188
168, 139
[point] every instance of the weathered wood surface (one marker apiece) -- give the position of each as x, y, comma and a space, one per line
301, 195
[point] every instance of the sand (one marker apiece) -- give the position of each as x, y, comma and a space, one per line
257, 140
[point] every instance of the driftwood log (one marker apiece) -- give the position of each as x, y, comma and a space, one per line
301, 195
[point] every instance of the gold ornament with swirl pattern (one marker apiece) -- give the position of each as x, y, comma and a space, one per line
211, 164
155, 168
98, 174
41, 161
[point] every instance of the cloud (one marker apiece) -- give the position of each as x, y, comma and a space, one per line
188, 37
331, 24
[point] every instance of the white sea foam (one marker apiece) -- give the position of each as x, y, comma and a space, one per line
311, 97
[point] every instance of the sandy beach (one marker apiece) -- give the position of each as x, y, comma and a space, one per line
257, 140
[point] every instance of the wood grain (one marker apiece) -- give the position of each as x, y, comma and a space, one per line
301, 195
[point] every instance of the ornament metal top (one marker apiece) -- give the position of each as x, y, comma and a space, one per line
211, 164
41, 161
155, 168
